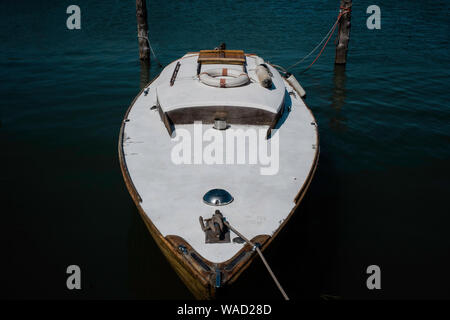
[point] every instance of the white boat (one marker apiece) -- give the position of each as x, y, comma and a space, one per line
217, 130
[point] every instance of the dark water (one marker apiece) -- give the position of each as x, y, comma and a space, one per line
380, 195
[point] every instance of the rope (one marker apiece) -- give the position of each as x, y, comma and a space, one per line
151, 49
313, 50
320, 53
342, 11
262, 258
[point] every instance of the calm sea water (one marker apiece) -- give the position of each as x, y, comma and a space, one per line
380, 195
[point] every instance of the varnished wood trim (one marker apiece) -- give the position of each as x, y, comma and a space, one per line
228, 274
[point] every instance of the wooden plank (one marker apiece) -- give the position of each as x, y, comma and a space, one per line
221, 56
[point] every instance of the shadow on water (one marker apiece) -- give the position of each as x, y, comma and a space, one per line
337, 120
151, 276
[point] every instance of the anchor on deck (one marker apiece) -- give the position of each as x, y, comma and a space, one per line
215, 230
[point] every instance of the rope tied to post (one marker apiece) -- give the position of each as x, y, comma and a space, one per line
151, 49
342, 11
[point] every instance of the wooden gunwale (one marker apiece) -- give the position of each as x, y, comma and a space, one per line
198, 283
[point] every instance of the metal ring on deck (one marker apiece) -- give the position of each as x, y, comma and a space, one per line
237, 79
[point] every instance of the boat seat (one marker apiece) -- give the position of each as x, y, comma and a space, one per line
221, 57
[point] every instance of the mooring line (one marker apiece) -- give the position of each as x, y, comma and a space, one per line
320, 53
342, 11
262, 258
151, 49
313, 50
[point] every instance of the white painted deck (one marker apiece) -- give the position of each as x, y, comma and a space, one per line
187, 91
172, 194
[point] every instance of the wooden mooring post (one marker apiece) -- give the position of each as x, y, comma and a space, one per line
142, 26
145, 73
343, 36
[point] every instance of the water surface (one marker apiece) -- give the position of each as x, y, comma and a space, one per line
379, 196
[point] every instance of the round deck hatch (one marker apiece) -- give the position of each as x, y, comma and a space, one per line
217, 197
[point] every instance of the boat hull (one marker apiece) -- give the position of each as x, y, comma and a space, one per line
197, 273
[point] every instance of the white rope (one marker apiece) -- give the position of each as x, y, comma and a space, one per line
313, 50
262, 258
151, 49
